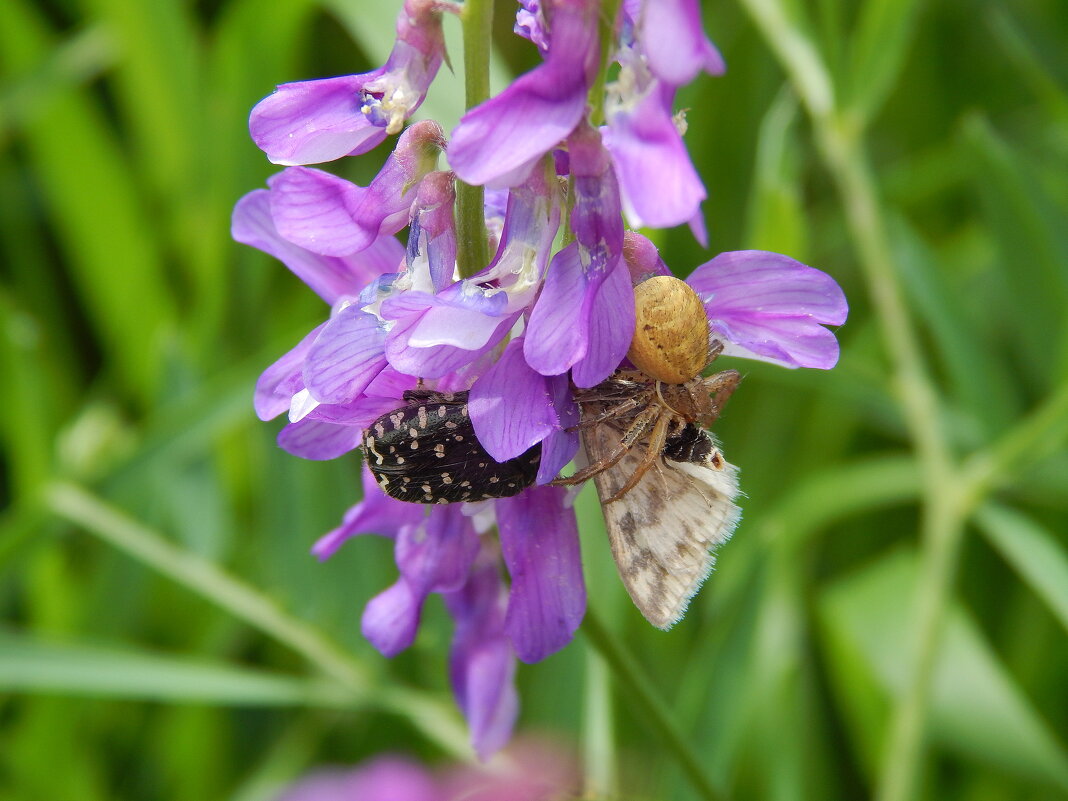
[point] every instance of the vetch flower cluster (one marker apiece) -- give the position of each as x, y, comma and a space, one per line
521, 333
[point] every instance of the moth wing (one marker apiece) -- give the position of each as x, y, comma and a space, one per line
662, 531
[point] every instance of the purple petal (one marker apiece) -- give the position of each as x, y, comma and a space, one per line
330, 277
348, 354
491, 701
642, 258
437, 334
528, 119
432, 234
319, 211
377, 513
390, 383
531, 221
318, 440
611, 329
556, 335
674, 42
660, 186
482, 663
530, 24
569, 324
391, 619
332, 216
316, 121
511, 406
310, 122
771, 307
596, 217
360, 413
283, 379
560, 446
331, 430
539, 540
437, 557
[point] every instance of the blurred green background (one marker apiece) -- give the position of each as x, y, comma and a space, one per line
890, 618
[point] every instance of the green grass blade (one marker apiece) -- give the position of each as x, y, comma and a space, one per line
98, 212
1033, 552
977, 709
28, 665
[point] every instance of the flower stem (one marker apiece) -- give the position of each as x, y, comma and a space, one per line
599, 758
472, 251
639, 688
609, 12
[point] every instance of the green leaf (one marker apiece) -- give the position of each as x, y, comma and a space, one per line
1032, 551
977, 709
30, 665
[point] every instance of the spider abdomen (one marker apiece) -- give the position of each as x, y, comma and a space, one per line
670, 340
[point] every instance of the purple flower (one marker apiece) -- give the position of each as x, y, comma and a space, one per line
436, 549
513, 407
522, 332
433, 229
482, 662
584, 318
329, 215
770, 307
548, 597
530, 770
433, 556
659, 184
498, 142
674, 42
330, 277
530, 24
310, 122
377, 513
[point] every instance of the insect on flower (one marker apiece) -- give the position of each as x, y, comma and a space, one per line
665, 488
427, 452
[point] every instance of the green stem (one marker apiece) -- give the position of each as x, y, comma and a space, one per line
607, 31
204, 577
472, 250
639, 688
1042, 433
598, 758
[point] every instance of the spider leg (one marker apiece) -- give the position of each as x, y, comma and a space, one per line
720, 386
654, 447
642, 423
619, 410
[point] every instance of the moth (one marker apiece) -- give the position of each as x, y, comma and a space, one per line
666, 491
427, 452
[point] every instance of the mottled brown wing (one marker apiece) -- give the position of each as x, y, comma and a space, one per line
663, 530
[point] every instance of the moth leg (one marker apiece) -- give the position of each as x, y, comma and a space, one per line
642, 423
654, 448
